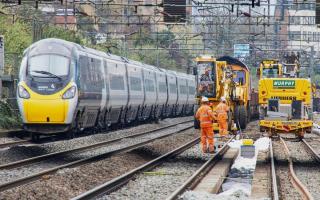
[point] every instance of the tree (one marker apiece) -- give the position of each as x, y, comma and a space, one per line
17, 38
59, 32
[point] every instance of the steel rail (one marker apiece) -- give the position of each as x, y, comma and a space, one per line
6, 133
115, 183
13, 143
33, 177
31, 160
310, 149
304, 192
273, 175
201, 172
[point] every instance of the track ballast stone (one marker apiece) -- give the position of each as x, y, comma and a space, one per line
160, 182
67, 183
26, 151
11, 175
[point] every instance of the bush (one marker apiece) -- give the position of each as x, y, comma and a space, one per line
9, 118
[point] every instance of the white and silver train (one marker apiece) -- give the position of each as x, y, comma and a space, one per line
64, 86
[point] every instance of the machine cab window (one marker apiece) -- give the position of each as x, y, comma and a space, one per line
239, 77
272, 72
206, 79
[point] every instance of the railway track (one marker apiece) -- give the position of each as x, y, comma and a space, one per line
294, 170
162, 166
80, 149
14, 143
138, 140
274, 183
42, 140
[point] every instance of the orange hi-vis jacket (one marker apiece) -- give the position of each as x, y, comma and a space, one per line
222, 111
205, 116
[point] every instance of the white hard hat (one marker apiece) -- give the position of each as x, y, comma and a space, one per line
223, 98
204, 99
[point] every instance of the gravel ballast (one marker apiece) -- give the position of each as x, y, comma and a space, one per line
26, 151
286, 190
11, 175
304, 165
4, 140
310, 177
68, 183
164, 179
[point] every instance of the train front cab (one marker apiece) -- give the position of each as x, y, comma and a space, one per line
47, 93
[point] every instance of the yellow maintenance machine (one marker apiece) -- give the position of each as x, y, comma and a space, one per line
285, 101
226, 77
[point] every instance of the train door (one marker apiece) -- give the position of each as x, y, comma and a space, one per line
118, 85
162, 93
172, 93
191, 94
150, 91
91, 88
136, 98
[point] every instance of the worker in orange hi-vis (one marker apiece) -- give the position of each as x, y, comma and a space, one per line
222, 110
205, 116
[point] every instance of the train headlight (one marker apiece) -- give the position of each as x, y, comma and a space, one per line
23, 93
70, 93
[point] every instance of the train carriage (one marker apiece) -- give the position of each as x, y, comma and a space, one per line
171, 81
191, 94
182, 94
149, 77
65, 87
162, 94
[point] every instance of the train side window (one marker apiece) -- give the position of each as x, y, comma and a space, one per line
116, 82
94, 75
162, 87
192, 90
183, 89
23, 66
84, 76
106, 65
149, 84
135, 83
173, 88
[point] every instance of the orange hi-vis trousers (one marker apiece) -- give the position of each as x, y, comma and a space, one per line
207, 136
223, 127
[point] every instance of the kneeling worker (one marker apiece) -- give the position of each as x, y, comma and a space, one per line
222, 110
205, 116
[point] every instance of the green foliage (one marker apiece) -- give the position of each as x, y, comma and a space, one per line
61, 33
165, 39
17, 38
316, 79
153, 57
8, 117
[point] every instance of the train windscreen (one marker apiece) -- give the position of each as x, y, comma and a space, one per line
48, 66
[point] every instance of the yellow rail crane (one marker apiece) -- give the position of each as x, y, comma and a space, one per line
226, 77
285, 100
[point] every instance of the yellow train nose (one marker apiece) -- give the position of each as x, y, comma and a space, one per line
45, 111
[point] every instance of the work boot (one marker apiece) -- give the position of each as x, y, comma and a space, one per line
204, 150
212, 151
